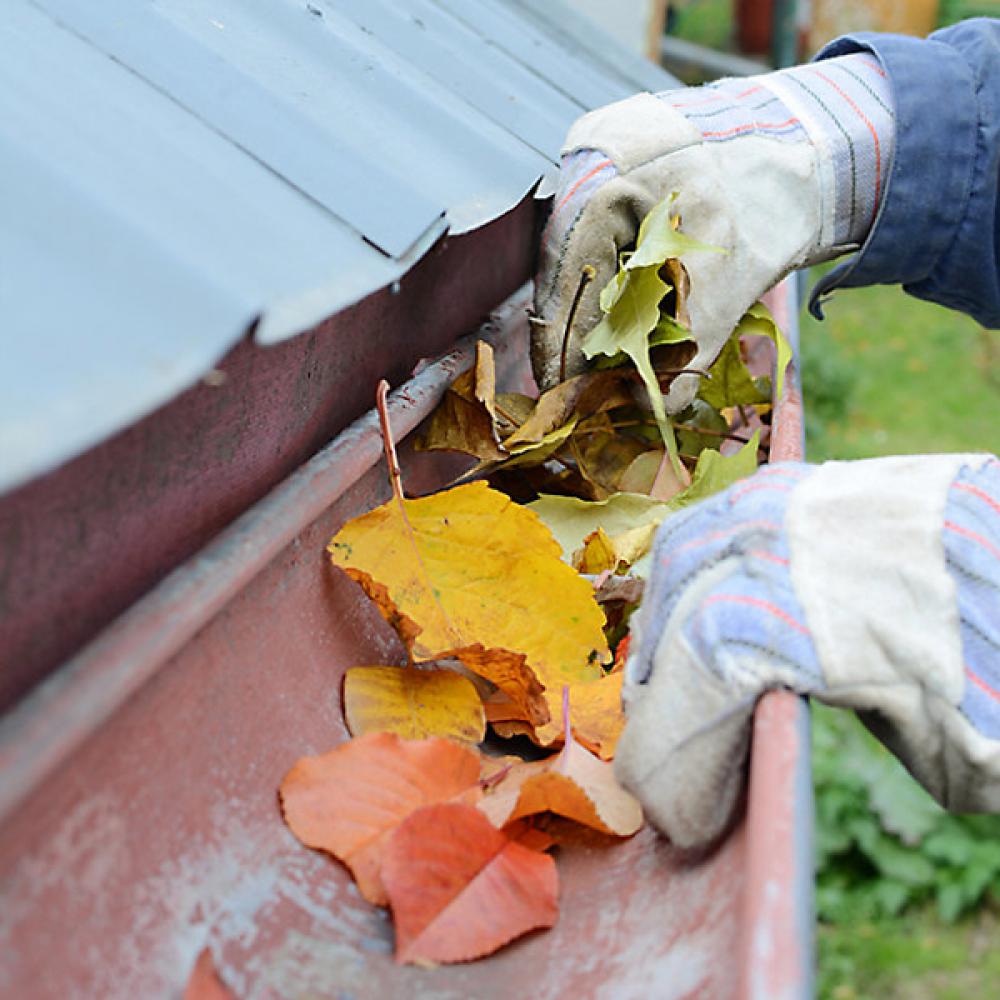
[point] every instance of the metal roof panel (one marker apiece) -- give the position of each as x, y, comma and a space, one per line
176, 171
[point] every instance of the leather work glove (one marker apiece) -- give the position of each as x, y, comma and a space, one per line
872, 585
781, 171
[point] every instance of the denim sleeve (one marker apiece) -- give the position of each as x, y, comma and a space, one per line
937, 231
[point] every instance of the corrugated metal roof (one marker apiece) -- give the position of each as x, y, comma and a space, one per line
176, 171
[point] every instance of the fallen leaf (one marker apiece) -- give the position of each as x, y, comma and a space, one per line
524, 832
205, 982
349, 800
715, 472
565, 410
571, 520
699, 426
731, 383
621, 653
641, 472
603, 455
757, 321
602, 552
598, 717
671, 479
660, 239
626, 328
499, 708
535, 452
466, 418
508, 729
413, 703
574, 784
469, 574
459, 888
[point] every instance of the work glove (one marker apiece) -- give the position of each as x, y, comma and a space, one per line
780, 171
871, 585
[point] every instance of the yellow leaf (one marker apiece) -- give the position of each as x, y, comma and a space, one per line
413, 703
572, 520
614, 553
469, 574
597, 554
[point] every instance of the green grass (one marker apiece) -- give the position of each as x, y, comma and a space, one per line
906, 376
913, 957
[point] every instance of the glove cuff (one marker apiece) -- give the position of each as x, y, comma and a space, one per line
842, 106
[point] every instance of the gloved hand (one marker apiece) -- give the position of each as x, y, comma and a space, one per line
871, 585
781, 171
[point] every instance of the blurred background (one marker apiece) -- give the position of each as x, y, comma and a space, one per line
908, 897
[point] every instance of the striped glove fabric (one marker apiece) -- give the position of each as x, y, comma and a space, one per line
870, 585
781, 170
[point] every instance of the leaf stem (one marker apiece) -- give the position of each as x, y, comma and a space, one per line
587, 275
382, 405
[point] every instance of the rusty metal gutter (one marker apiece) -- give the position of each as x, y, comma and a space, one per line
138, 819
62, 712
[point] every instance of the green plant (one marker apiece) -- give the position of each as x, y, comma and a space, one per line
882, 843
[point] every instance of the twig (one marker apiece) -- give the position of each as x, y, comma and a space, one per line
503, 413
587, 275
711, 433
381, 404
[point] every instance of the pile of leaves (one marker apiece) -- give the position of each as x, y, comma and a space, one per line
512, 599
882, 843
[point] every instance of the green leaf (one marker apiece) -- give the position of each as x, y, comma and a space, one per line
633, 316
900, 863
890, 896
658, 241
904, 808
950, 902
715, 472
731, 383
757, 321
570, 520
612, 291
668, 331
695, 418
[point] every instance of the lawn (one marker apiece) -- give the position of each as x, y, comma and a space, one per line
889, 374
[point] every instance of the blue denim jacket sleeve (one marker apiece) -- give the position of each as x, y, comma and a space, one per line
937, 232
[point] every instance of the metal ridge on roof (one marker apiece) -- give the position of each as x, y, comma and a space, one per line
178, 172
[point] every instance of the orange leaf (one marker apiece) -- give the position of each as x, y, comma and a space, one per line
413, 703
349, 800
574, 784
621, 654
597, 714
205, 983
528, 835
507, 729
499, 708
470, 574
459, 888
